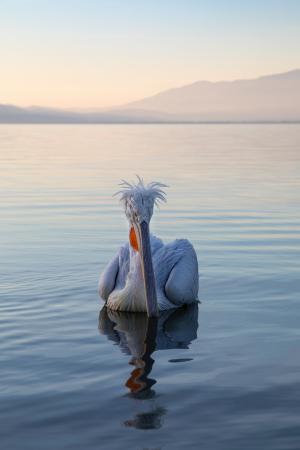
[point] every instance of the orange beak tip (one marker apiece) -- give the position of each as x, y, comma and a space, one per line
133, 239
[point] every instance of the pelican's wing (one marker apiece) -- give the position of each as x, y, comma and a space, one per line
183, 282
108, 278
115, 273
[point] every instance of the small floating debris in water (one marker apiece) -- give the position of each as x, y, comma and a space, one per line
176, 360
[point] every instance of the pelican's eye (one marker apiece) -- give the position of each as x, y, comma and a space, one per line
133, 239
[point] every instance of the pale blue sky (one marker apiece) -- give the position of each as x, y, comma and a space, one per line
93, 53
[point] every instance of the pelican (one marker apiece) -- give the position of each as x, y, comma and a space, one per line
147, 275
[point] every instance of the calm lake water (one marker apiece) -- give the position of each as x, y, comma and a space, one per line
224, 374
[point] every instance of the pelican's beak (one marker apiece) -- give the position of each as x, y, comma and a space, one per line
147, 268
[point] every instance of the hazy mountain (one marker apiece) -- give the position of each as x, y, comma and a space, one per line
14, 114
272, 98
269, 98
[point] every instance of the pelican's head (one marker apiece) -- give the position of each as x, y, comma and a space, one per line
138, 200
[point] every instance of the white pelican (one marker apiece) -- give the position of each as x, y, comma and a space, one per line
147, 275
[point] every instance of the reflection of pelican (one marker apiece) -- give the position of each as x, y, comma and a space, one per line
147, 420
139, 336
148, 275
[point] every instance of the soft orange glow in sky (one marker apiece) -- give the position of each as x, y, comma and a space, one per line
95, 54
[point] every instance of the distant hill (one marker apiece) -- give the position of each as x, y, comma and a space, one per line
14, 114
272, 98
269, 98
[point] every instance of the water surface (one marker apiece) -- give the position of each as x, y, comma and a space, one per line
222, 376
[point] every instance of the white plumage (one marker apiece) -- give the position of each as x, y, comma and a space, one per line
147, 274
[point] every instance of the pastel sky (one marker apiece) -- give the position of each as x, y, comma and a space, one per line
99, 53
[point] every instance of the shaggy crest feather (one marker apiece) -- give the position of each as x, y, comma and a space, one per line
138, 198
